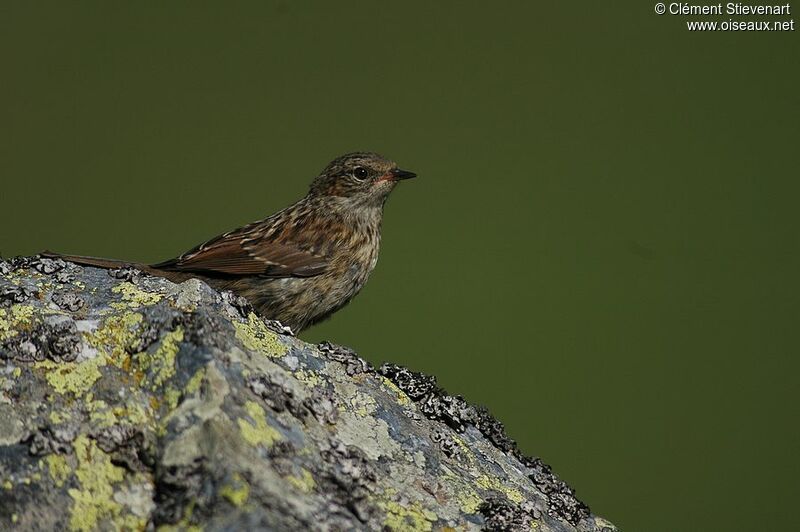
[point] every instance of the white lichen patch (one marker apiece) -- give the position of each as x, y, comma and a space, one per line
370, 434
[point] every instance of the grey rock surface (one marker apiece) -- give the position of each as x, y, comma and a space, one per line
131, 403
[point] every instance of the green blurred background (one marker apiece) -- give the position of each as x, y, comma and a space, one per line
602, 246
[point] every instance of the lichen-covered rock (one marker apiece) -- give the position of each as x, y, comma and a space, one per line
128, 402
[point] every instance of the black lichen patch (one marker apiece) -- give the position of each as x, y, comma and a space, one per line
11, 294
205, 329
200, 328
240, 303
43, 265
126, 273
493, 429
503, 516
449, 446
149, 334
63, 340
453, 410
353, 363
561, 498
323, 406
64, 276
57, 338
68, 301
182, 492
17, 263
282, 449
160, 318
277, 396
48, 440
415, 385
457, 413
47, 266
349, 479
282, 455
127, 445
278, 327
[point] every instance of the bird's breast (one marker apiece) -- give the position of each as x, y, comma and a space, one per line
357, 260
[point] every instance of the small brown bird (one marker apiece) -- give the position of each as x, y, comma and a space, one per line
303, 263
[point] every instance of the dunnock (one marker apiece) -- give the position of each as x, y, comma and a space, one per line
303, 263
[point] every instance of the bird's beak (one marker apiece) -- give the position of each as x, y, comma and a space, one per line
398, 174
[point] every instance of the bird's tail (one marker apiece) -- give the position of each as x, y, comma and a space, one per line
97, 262
93, 261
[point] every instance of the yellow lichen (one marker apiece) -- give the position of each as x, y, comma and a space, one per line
162, 362
236, 493
259, 432
59, 417
311, 378
402, 398
93, 501
4, 325
57, 467
197, 379
495, 484
116, 335
303, 483
465, 450
411, 517
362, 404
130, 522
101, 414
171, 397
22, 314
8, 486
184, 524
15, 318
17, 372
181, 526
134, 297
133, 413
255, 335
73, 377
468, 499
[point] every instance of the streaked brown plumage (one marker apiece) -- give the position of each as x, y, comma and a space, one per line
305, 262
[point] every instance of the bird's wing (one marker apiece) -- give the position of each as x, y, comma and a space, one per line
250, 251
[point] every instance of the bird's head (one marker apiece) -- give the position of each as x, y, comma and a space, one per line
360, 178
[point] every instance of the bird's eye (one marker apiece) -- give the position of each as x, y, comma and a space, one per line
360, 173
